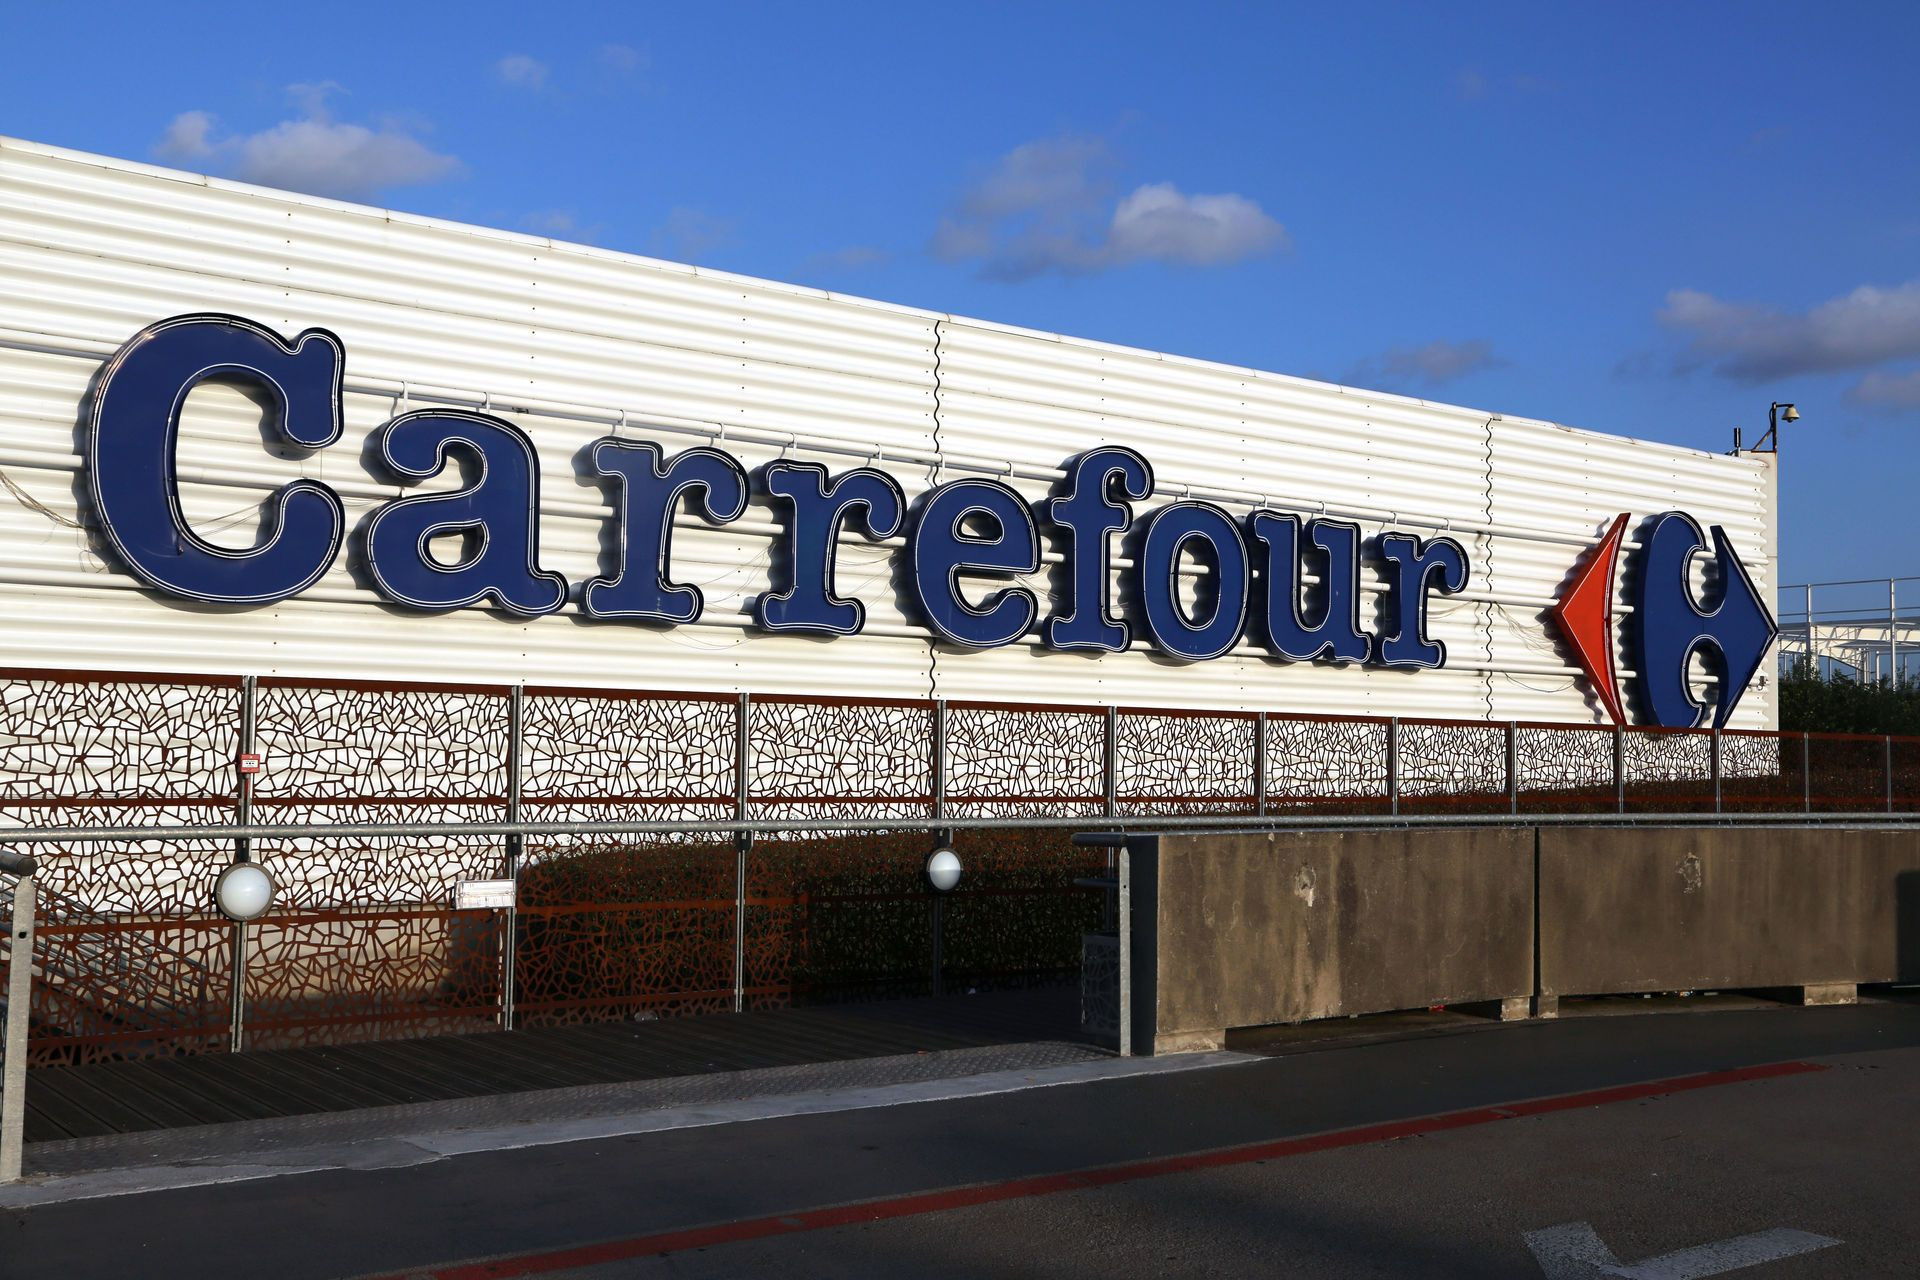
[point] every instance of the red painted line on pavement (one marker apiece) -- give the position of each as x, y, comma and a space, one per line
588, 1255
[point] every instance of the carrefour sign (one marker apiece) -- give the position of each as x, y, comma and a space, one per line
967, 542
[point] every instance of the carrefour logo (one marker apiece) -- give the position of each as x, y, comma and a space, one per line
971, 545
1668, 626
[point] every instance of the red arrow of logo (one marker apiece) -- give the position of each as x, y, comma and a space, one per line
1584, 616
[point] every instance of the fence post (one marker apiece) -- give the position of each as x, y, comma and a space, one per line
13, 1039
1619, 768
1260, 764
242, 852
1893, 631
1124, 893
1889, 773
1713, 756
1112, 766
1393, 765
1513, 767
1806, 776
937, 762
742, 843
516, 850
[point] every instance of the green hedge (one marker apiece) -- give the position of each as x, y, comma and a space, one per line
1843, 705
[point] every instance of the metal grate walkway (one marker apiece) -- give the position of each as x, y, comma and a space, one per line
169, 1093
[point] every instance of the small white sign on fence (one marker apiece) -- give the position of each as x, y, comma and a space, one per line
483, 895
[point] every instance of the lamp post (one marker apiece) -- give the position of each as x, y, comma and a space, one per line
943, 875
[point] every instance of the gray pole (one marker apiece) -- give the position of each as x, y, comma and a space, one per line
1260, 764
1889, 741
242, 852
1813, 655
1713, 756
1806, 775
516, 850
1893, 631
1513, 767
1393, 766
1112, 765
1125, 895
1619, 769
743, 841
937, 761
13, 1066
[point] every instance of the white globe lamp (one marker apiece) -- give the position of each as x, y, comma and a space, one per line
943, 869
244, 891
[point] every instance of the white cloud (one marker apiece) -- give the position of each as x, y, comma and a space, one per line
521, 72
1047, 206
189, 137
1751, 342
691, 233
1882, 390
623, 58
562, 224
852, 258
1157, 223
315, 153
1428, 365
1472, 83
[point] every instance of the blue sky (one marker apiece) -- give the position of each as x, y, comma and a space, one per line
1650, 220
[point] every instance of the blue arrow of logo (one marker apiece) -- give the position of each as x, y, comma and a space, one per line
1668, 627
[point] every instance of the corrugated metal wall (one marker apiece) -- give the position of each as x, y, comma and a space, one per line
572, 342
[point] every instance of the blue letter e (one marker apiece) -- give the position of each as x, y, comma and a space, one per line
130, 456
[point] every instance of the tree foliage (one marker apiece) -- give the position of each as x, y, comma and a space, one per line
1809, 704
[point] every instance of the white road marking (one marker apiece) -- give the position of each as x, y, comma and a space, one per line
1574, 1251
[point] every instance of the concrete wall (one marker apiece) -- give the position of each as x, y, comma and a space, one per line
1253, 928
1284, 926
1675, 909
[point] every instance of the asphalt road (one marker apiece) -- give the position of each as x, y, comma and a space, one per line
1102, 1178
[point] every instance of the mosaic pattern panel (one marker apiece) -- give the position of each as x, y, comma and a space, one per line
1668, 770
1003, 762
625, 932
1326, 766
1185, 763
338, 873
1760, 772
151, 876
111, 987
336, 977
1906, 772
346, 744
815, 760
114, 740
611, 750
1565, 770
1847, 773
1450, 767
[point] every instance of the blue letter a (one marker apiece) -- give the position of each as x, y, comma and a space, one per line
497, 513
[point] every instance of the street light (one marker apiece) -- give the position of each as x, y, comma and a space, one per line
244, 891
943, 869
1777, 412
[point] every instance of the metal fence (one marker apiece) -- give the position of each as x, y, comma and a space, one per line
365, 940
1854, 629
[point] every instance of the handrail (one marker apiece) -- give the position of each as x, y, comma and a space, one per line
771, 826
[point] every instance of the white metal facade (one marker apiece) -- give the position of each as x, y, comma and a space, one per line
573, 342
